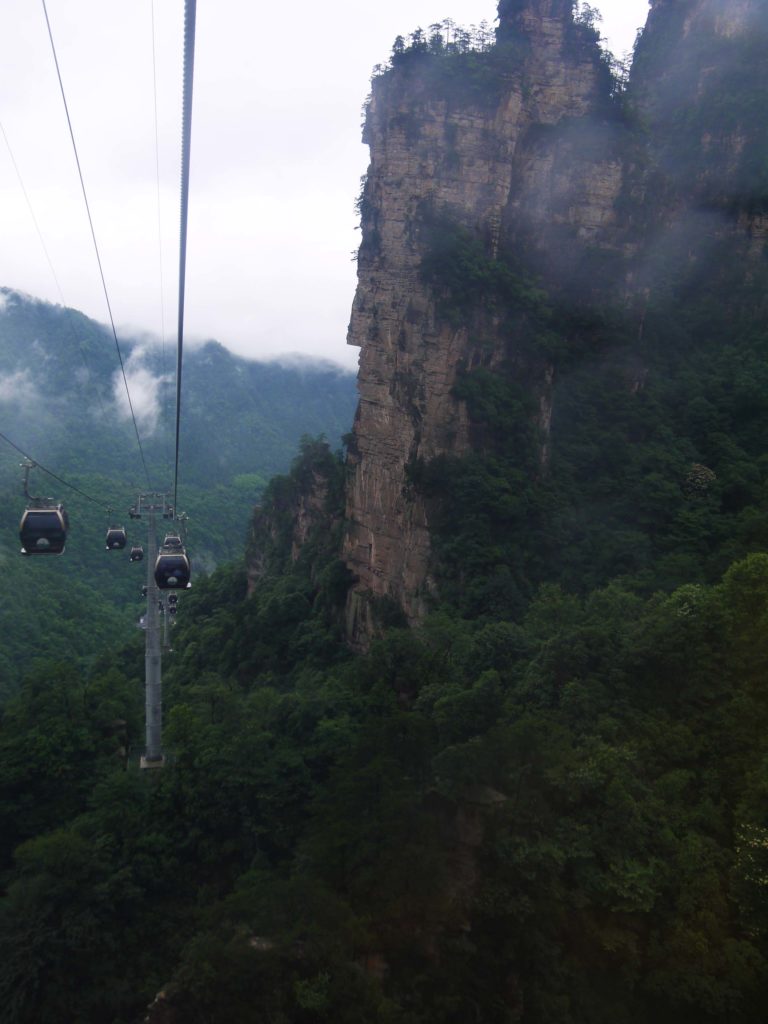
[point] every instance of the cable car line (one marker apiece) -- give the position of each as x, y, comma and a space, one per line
50, 473
43, 530
67, 311
166, 417
95, 243
169, 568
190, 10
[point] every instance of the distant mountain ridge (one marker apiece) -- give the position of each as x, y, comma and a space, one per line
238, 415
62, 401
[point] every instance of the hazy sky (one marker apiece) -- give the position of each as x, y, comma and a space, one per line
276, 158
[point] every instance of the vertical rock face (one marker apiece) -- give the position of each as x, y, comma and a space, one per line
695, 63
307, 510
524, 148
698, 86
726, 18
301, 512
503, 162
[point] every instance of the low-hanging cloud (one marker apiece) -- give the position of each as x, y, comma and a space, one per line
146, 392
18, 388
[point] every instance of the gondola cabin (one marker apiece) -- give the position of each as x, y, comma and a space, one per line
172, 568
43, 531
116, 538
137, 554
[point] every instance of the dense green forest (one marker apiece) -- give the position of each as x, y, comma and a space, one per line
555, 817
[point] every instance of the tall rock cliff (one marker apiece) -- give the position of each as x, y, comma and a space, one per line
699, 84
521, 152
545, 180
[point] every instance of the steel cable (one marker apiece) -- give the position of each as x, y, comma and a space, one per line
95, 245
65, 306
59, 479
163, 364
190, 11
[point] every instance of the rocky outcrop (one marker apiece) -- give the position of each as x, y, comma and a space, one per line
697, 93
525, 148
528, 150
300, 511
306, 512
523, 155
698, 84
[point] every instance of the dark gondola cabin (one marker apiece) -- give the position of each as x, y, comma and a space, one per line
172, 568
43, 531
116, 538
137, 554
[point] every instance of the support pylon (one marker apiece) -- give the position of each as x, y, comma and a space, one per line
153, 672
152, 505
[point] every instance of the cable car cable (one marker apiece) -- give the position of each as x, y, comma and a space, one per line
190, 10
59, 479
95, 244
64, 304
166, 417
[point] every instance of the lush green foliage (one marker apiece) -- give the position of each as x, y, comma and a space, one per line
559, 819
459, 63
475, 64
465, 277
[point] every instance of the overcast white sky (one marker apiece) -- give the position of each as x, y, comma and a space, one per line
276, 158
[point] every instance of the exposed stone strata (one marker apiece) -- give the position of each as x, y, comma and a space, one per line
541, 166
725, 19
257, 559
755, 227
309, 513
312, 512
702, 162
487, 167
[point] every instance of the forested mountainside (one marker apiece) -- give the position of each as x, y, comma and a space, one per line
477, 730
62, 400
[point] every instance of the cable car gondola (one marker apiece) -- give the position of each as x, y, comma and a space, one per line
137, 553
172, 568
116, 538
43, 531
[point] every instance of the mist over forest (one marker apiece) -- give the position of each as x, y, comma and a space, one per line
464, 716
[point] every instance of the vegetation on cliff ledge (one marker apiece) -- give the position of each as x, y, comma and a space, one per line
476, 64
